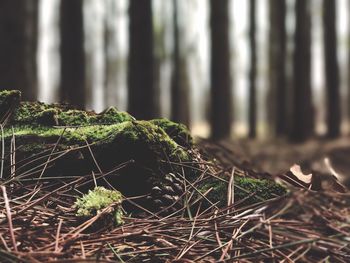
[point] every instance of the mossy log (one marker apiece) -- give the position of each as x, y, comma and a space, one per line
111, 138
86, 141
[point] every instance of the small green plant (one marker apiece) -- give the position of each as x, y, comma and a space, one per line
98, 199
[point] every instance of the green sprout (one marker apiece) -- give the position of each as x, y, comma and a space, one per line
98, 199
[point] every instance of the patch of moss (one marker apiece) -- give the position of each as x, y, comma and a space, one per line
9, 99
73, 118
35, 120
260, 188
40, 134
155, 137
111, 115
98, 199
138, 140
9, 95
34, 113
115, 137
177, 131
38, 113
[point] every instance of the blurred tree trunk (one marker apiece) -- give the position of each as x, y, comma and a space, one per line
158, 63
221, 105
160, 54
348, 77
142, 95
110, 54
180, 111
18, 46
331, 68
277, 103
107, 38
72, 83
302, 119
89, 82
252, 73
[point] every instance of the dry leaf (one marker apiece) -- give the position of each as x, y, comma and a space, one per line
296, 170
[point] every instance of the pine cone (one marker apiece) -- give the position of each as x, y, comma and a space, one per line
166, 193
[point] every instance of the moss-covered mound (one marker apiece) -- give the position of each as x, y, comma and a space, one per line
177, 131
113, 137
86, 141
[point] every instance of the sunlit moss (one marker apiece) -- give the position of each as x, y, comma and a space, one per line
73, 118
98, 199
112, 115
128, 134
177, 131
115, 137
36, 120
38, 113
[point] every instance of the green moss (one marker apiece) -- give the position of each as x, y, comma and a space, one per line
34, 113
177, 131
98, 199
9, 99
260, 188
36, 120
38, 113
153, 135
115, 137
41, 133
129, 134
73, 118
112, 115
9, 96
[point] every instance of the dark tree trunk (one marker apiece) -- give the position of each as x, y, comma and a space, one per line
331, 68
110, 56
348, 76
180, 111
252, 73
158, 63
221, 105
141, 97
160, 57
18, 46
277, 103
72, 84
302, 119
107, 60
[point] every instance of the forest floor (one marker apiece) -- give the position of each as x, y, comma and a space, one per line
304, 226
277, 156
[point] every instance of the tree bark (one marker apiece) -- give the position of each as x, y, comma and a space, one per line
111, 71
141, 97
72, 82
18, 46
221, 105
348, 77
161, 54
331, 69
180, 111
302, 119
252, 73
277, 99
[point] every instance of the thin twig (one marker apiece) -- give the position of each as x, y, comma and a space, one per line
9, 218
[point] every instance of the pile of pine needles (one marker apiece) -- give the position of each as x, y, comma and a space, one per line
38, 224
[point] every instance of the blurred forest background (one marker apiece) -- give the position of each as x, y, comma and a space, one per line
244, 68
